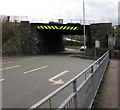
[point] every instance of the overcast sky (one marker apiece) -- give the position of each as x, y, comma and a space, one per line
96, 10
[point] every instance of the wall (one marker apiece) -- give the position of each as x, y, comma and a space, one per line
11, 38
100, 32
29, 38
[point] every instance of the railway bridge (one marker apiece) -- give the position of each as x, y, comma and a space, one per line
48, 37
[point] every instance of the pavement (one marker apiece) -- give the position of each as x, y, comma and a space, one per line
107, 96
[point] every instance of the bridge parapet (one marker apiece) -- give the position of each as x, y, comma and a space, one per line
63, 27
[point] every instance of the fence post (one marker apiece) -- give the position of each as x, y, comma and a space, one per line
93, 86
75, 97
50, 104
85, 75
92, 69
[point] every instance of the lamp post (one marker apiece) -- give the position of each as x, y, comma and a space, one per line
84, 26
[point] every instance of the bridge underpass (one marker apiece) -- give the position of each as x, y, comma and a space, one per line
46, 38
51, 35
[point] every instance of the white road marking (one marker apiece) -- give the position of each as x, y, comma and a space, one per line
11, 67
35, 69
5, 57
2, 80
30, 59
5, 62
60, 81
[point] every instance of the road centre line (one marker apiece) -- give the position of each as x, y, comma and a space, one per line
30, 59
2, 80
35, 69
5, 62
11, 67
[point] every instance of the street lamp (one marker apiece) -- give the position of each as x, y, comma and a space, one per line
84, 26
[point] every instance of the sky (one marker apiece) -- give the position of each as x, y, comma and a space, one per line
95, 10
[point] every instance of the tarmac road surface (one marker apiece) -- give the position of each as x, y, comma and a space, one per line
26, 80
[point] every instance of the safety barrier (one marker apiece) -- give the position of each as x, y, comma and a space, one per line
83, 93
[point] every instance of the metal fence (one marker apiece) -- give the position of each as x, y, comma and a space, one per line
83, 94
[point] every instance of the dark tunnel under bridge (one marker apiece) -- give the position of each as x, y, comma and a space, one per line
50, 36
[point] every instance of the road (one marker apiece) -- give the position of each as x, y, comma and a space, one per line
26, 80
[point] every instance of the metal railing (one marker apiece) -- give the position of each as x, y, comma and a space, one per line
83, 94
65, 21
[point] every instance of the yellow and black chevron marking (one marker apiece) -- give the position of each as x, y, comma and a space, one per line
41, 27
